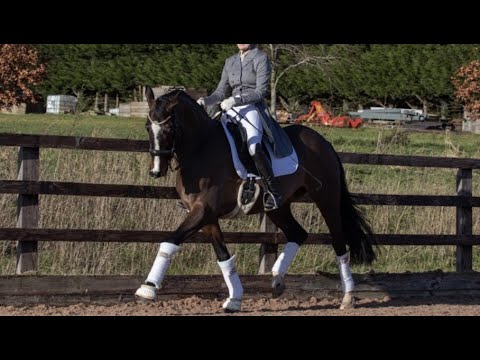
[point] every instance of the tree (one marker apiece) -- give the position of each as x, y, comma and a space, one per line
467, 87
19, 72
286, 57
121, 68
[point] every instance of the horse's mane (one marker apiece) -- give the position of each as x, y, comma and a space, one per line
186, 99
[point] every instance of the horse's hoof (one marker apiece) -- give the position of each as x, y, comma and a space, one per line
232, 305
278, 286
146, 293
348, 302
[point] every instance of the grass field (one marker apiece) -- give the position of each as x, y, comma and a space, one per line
152, 214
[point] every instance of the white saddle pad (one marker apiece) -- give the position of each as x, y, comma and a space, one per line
281, 166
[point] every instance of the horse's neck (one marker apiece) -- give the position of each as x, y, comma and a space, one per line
196, 131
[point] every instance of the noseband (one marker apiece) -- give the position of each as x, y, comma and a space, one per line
162, 152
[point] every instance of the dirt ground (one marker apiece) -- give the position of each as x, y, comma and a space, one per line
426, 306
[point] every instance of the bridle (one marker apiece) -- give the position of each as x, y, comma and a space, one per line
170, 152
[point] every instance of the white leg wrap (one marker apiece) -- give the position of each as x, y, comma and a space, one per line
345, 274
285, 259
162, 263
235, 288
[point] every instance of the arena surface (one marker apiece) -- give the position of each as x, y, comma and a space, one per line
195, 306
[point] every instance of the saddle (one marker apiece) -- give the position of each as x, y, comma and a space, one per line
245, 167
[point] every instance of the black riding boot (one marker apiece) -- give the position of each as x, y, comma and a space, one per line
271, 198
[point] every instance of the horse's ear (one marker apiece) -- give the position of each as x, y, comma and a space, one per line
150, 96
174, 100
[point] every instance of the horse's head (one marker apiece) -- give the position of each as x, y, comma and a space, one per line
161, 130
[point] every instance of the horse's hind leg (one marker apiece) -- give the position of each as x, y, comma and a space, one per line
227, 265
296, 236
329, 206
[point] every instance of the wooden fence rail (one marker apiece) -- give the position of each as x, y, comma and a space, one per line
28, 187
158, 192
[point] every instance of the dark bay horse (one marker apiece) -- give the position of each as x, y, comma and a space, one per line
208, 184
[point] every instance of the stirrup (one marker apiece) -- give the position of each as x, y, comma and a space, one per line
268, 206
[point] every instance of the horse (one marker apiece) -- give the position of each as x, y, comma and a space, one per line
207, 183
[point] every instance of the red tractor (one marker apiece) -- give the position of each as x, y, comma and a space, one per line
318, 115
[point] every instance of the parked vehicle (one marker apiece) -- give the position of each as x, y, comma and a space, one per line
389, 114
410, 118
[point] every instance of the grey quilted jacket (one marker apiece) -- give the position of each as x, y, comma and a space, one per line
248, 82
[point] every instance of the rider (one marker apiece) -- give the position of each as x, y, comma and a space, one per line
246, 75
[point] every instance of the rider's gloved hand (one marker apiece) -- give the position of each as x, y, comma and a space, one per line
227, 104
201, 102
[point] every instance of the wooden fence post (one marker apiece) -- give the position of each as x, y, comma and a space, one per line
464, 220
268, 252
27, 209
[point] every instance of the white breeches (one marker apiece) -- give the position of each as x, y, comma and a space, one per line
253, 126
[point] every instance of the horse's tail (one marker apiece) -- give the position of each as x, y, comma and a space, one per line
355, 226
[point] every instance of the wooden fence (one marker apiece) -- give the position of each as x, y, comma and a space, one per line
28, 187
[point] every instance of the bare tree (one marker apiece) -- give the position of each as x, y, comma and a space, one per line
294, 55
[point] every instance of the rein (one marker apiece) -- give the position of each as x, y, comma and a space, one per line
161, 122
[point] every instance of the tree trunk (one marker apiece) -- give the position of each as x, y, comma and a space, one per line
105, 104
410, 105
424, 105
443, 109
425, 108
117, 101
95, 106
80, 103
345, 106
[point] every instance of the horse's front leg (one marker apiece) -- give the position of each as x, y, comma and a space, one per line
192, 223
227, 265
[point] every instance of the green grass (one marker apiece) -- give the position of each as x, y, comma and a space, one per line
156, 214
74, 125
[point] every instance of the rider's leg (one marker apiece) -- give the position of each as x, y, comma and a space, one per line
272, 198
254, 129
